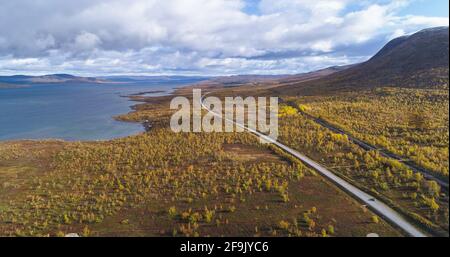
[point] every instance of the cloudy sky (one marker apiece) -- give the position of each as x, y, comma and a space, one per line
202, 37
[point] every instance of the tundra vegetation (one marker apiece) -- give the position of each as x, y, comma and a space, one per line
409, 122
162, 183
412, 123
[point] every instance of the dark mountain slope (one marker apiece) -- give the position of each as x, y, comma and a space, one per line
420, 60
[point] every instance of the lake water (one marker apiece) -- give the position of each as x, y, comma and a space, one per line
73, 111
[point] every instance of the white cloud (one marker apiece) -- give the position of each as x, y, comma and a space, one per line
86, 41
412, 20
397, 33
193, 36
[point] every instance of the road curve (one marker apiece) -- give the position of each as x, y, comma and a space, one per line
376, 205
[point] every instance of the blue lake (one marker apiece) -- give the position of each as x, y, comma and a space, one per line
73, 111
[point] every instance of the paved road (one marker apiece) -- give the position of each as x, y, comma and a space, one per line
376, 205
368, 147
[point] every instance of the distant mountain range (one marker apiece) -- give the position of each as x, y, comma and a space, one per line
137, 78
242, 79
420, 60
53, 78
314, 74
22, 80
